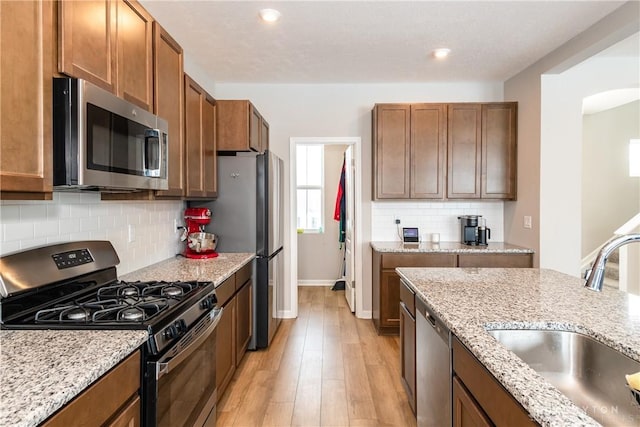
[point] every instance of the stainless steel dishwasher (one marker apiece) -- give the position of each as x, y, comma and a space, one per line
433, 369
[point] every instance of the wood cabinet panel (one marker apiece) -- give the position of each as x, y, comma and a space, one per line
428, 150
244, 320
408, 298
241, 127
27, 43
135, 54
464, 151
408, 351
129, 417
200, 142
466, 412
226, 289
391, 156
395, 260
496, 260
169, 104
87, 35
105, 397
389, 306
225, 347
495, 401
499, 150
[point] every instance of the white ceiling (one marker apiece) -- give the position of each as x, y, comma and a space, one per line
372, 41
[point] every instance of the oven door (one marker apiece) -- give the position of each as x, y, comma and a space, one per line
181, 384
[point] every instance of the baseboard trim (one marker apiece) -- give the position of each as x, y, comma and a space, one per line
368, 314
316, 282
286, 314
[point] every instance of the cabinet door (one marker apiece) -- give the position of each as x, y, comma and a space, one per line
408, 354
264, 135
391, 156
496, 260
389, 301
134, 41
466, 412
26, 70
87, 41
428, 148
244, 320
193, 95
169, 104
255, 129
225, 347
129, 417
464, 151
499, 160
209, 154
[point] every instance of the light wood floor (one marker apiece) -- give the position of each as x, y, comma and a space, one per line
325, 368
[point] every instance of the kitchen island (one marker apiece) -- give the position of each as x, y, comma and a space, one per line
471, 301
43, 370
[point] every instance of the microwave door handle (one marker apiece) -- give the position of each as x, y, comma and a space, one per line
164, 367
156, 135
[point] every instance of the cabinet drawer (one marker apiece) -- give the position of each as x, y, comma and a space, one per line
225, 290
408, 297
496, 402
418, 260
495, 260
105, 397
244, 274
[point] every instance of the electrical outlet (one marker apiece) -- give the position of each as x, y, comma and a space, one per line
132, 233
527, 221
397, 221
175, 225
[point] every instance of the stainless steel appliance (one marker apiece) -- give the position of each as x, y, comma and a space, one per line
102, 142
433, 369
74, 286
248, 217
473, 230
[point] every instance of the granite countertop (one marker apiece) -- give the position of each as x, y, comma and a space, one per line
471, 300
42, 370
216, 269
449, 247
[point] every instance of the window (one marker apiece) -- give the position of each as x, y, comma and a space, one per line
310, 188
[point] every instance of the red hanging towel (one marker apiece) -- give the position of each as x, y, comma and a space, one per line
338, 208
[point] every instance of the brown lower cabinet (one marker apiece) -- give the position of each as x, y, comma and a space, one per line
478, 398
235, 328
113, 399
408, 343
386, 283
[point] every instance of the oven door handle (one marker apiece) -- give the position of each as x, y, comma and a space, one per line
164, 367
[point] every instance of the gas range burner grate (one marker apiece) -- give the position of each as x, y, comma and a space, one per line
175, 290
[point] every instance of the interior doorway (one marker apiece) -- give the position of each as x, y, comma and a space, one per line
349, 266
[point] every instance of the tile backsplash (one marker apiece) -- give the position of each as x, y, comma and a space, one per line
432, 217
83, 216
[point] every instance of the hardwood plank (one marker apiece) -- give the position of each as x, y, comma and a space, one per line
278, 414
334, 411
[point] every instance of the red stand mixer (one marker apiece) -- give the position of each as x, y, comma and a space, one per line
200, 245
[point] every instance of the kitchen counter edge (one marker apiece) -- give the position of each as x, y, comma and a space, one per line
448, 247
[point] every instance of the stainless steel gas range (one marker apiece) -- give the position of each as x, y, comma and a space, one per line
74, 286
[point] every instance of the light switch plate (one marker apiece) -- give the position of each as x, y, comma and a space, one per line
527, 221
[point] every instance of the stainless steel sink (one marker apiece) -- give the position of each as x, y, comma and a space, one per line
588, 372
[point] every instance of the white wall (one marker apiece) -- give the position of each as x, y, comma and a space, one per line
561, 154
82, 216
610, 197
341, 110
432, 217
319, 254
525, 88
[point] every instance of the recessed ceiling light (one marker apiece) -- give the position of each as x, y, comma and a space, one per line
269, 15
441, 53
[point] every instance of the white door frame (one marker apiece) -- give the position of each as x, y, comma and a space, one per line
356, 142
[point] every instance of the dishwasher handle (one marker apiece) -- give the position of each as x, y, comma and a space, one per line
436, 323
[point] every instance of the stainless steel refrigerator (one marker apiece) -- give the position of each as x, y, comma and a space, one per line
247, 217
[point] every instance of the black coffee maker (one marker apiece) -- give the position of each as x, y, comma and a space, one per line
473, 230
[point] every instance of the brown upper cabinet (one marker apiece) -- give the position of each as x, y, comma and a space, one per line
241, 127
169, 104
469, 146
27, 43
200, 142
410, 142
108, 43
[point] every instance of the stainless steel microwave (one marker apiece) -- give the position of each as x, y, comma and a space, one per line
104, 143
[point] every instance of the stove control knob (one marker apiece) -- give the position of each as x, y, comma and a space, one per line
208, 302
180, 327
170, 332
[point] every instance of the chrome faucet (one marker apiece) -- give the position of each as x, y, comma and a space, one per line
595, 275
